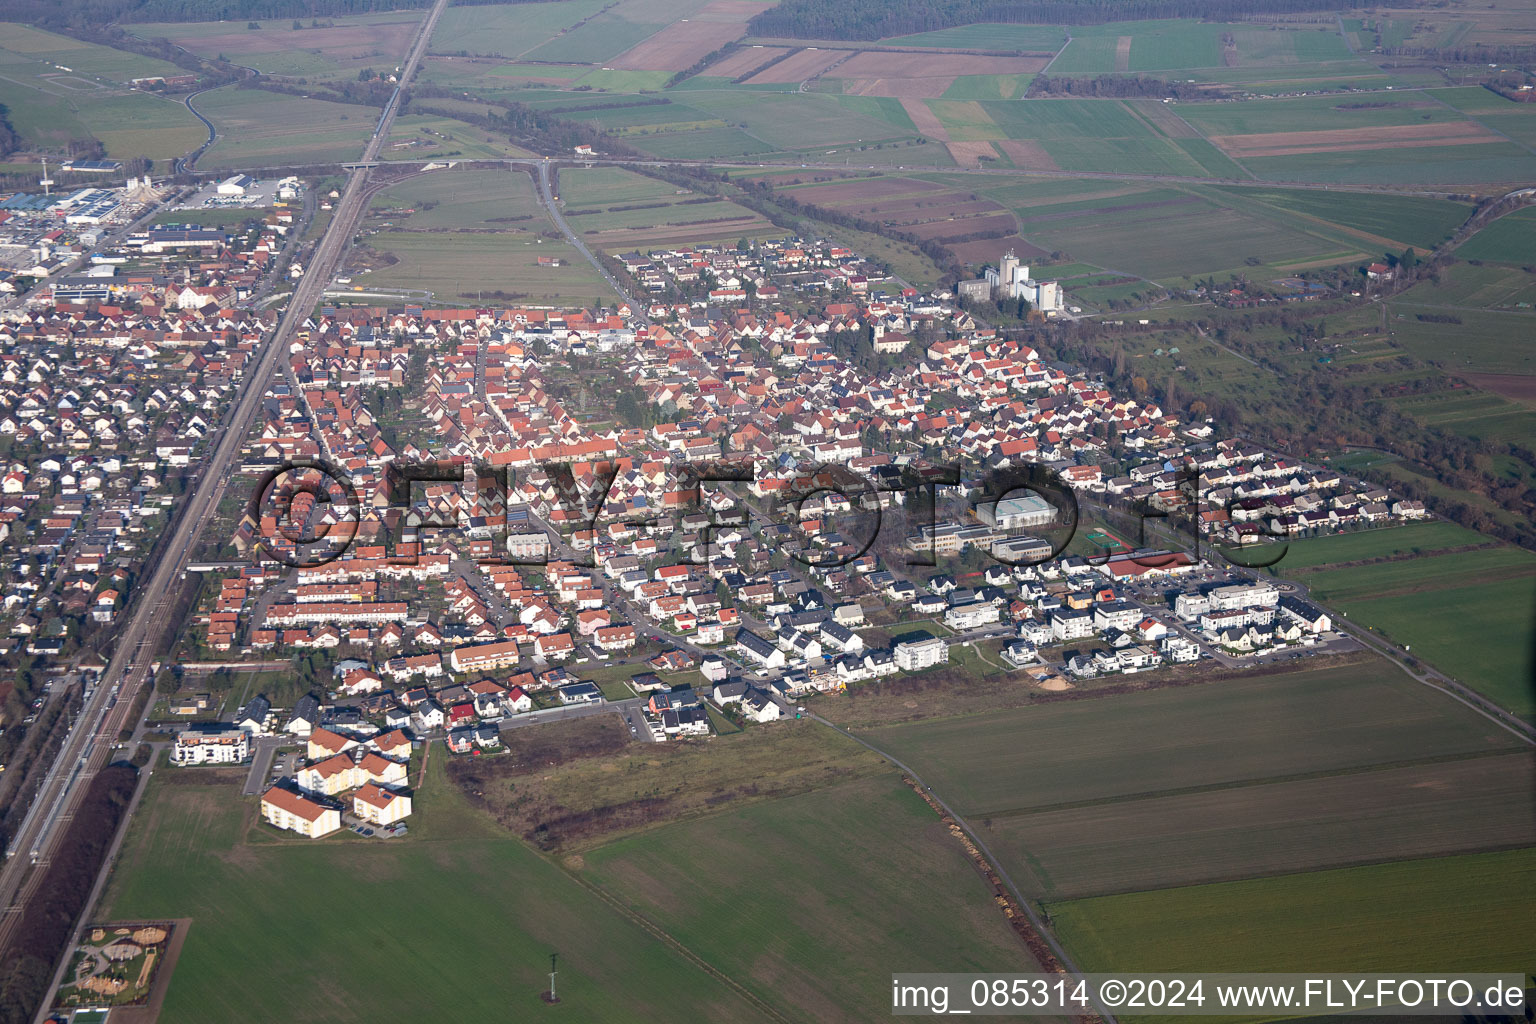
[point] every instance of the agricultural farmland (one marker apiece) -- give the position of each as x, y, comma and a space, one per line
1257, 750
1460, 914
1434, 602
651, 213
1510, 239
1284, 825
837, 905
474, 233
338, 48
259, 128
1390, 542
508, 30
192, 851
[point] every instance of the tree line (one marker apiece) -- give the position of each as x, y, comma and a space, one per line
539, 130
877, 19
26, 964
10, 142
1122, 87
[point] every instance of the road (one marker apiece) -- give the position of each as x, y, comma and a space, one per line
189, 162
547, 193
90, 743
1011, 173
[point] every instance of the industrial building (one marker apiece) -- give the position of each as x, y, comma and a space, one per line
1024, 512
1011, 280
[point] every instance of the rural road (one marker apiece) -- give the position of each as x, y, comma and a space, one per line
1010, 173
547, 193
189, 162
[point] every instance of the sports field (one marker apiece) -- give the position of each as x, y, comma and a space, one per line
1442, 914
792, 887
351, 929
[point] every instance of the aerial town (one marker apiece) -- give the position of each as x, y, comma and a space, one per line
682, 595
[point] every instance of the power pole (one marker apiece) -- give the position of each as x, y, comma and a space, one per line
550, 996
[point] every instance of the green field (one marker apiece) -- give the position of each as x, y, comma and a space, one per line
1167, 233
1322, 821
1241, 777
1488, 286
600, 204
1479, 342
43, 120
1312, 113
344, 927
1444, 914
1478, 415
258, 128
339, 48
455, 266
794, 122
1478, 634
1424, 165
773, 893
476, 232
1154, 46
1422, 574
507, 30
1510, 239
1242, 730
1023, 38
142, 124
35, 53
610, 32
1412, 539
1397, 220
463, 199
428, 136
1434, 603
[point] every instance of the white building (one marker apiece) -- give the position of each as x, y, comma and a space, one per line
235, 185
212, 744
1017, 513
912, 655
287, 809
971, 615
1011, 280
380, 806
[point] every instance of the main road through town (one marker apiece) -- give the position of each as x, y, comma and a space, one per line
90, 742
